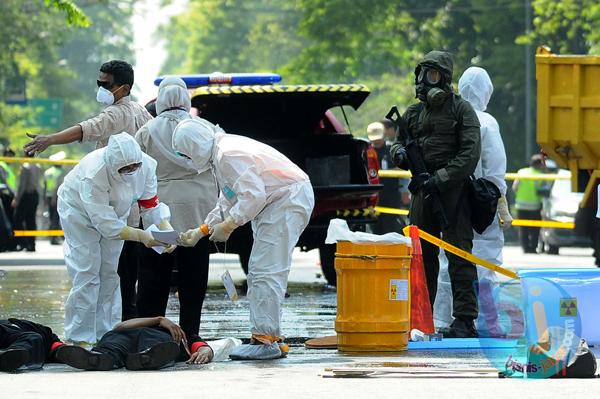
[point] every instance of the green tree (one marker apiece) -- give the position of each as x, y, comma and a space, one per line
57, 49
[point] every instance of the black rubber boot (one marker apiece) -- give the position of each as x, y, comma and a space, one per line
12, 359
460, 328
154, 358
80, 358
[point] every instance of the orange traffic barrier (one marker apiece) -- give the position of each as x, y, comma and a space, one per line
421, 316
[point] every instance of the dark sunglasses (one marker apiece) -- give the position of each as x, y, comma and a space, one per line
103, 83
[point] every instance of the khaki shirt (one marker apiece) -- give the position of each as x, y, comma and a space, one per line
123, 116
29, 180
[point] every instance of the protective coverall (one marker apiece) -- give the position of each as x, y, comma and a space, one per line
93, 204
261, 185
476, 87
447, 130
190, 196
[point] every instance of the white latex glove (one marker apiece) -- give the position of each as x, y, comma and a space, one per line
220, 232
165, 225
169, 249
190, 238
145, 237
503, 213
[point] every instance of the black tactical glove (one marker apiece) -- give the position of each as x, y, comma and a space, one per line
429, 187
399, 158
417, 182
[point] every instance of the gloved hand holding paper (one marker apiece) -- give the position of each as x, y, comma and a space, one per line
164, 236
168, 237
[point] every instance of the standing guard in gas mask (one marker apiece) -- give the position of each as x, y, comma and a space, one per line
446, 129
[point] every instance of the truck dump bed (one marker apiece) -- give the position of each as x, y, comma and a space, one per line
568, 115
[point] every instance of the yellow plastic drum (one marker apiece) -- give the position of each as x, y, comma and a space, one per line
373, 301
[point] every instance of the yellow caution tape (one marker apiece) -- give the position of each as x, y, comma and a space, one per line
392, 211
38, 233
403, 174
39, 160
545, 176
543, 223
462, 254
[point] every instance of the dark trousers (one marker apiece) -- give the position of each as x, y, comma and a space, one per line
387, 223
192, 277
9, 243
133, 340
32, 337
529, 235
53, 218
463, 274
25, 218
128, 272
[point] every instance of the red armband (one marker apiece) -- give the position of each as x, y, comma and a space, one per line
55, 345
148, 203
198, 344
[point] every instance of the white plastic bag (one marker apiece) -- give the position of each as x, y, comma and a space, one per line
339, 231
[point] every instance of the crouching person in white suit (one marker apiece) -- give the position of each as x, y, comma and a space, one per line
259, 184
93, 205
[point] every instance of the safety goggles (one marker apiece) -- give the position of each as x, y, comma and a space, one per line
430, 76
104, 83
129, 169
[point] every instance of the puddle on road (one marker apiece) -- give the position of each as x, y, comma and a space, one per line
39, 294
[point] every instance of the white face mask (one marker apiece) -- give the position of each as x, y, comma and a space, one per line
130, 178
105, 96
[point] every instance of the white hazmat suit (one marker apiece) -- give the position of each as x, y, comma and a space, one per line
259, 184
93, 204
476, 87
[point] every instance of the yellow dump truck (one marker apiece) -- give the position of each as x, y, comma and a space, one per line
568, 126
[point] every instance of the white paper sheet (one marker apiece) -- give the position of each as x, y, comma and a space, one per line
166, 236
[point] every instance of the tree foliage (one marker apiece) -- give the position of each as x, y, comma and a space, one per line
378, 42
55, 50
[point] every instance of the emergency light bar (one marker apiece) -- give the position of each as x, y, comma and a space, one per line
218, 78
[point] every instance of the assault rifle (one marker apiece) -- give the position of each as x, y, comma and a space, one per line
416, 165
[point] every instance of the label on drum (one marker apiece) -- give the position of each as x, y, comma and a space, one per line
398, 290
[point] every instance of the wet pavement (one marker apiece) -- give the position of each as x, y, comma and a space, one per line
35, 287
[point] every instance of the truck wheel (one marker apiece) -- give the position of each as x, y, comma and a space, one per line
552, 250
327, 255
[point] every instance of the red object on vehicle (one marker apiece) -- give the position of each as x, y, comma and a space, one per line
421, 316
373, 171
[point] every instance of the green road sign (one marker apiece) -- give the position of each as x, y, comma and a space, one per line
46, 112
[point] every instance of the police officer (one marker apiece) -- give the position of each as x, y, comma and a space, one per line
446, 129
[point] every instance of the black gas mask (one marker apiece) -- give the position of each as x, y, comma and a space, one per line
428, 85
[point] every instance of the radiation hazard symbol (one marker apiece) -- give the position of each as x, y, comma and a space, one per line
568, 307
398, 290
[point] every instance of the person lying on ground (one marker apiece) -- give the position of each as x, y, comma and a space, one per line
148, 343
26, 345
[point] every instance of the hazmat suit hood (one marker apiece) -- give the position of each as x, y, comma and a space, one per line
122, 150
195, 138
440, 60
173, 93
476, 87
